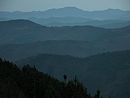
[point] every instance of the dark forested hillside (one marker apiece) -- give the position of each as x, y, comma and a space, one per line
28, 82
109, 72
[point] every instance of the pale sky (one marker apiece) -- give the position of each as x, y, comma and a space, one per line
41, 5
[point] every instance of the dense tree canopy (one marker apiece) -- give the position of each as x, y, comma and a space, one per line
28, 82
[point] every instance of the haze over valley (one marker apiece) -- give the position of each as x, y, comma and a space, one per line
93, 46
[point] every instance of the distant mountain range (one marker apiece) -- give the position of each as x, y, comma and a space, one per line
69, 12
108, 72
23, 38
99, 56
63, 47
24, 31
70, 16
78, 21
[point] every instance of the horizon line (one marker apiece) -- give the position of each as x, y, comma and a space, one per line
64, 8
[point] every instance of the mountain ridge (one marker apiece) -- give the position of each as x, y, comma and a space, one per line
69, 7
114, 65
18, 36
70, 11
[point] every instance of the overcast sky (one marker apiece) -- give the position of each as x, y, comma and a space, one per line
35, 5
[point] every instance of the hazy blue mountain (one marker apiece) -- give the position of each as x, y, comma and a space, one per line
94, 45
23, 31
71, 16
64, 47
65, 12
22, 38
107, 23
60, 21
78, 21
69, 12
108, 72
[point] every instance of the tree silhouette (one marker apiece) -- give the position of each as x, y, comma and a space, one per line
97, 95
28, 82
65, 78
